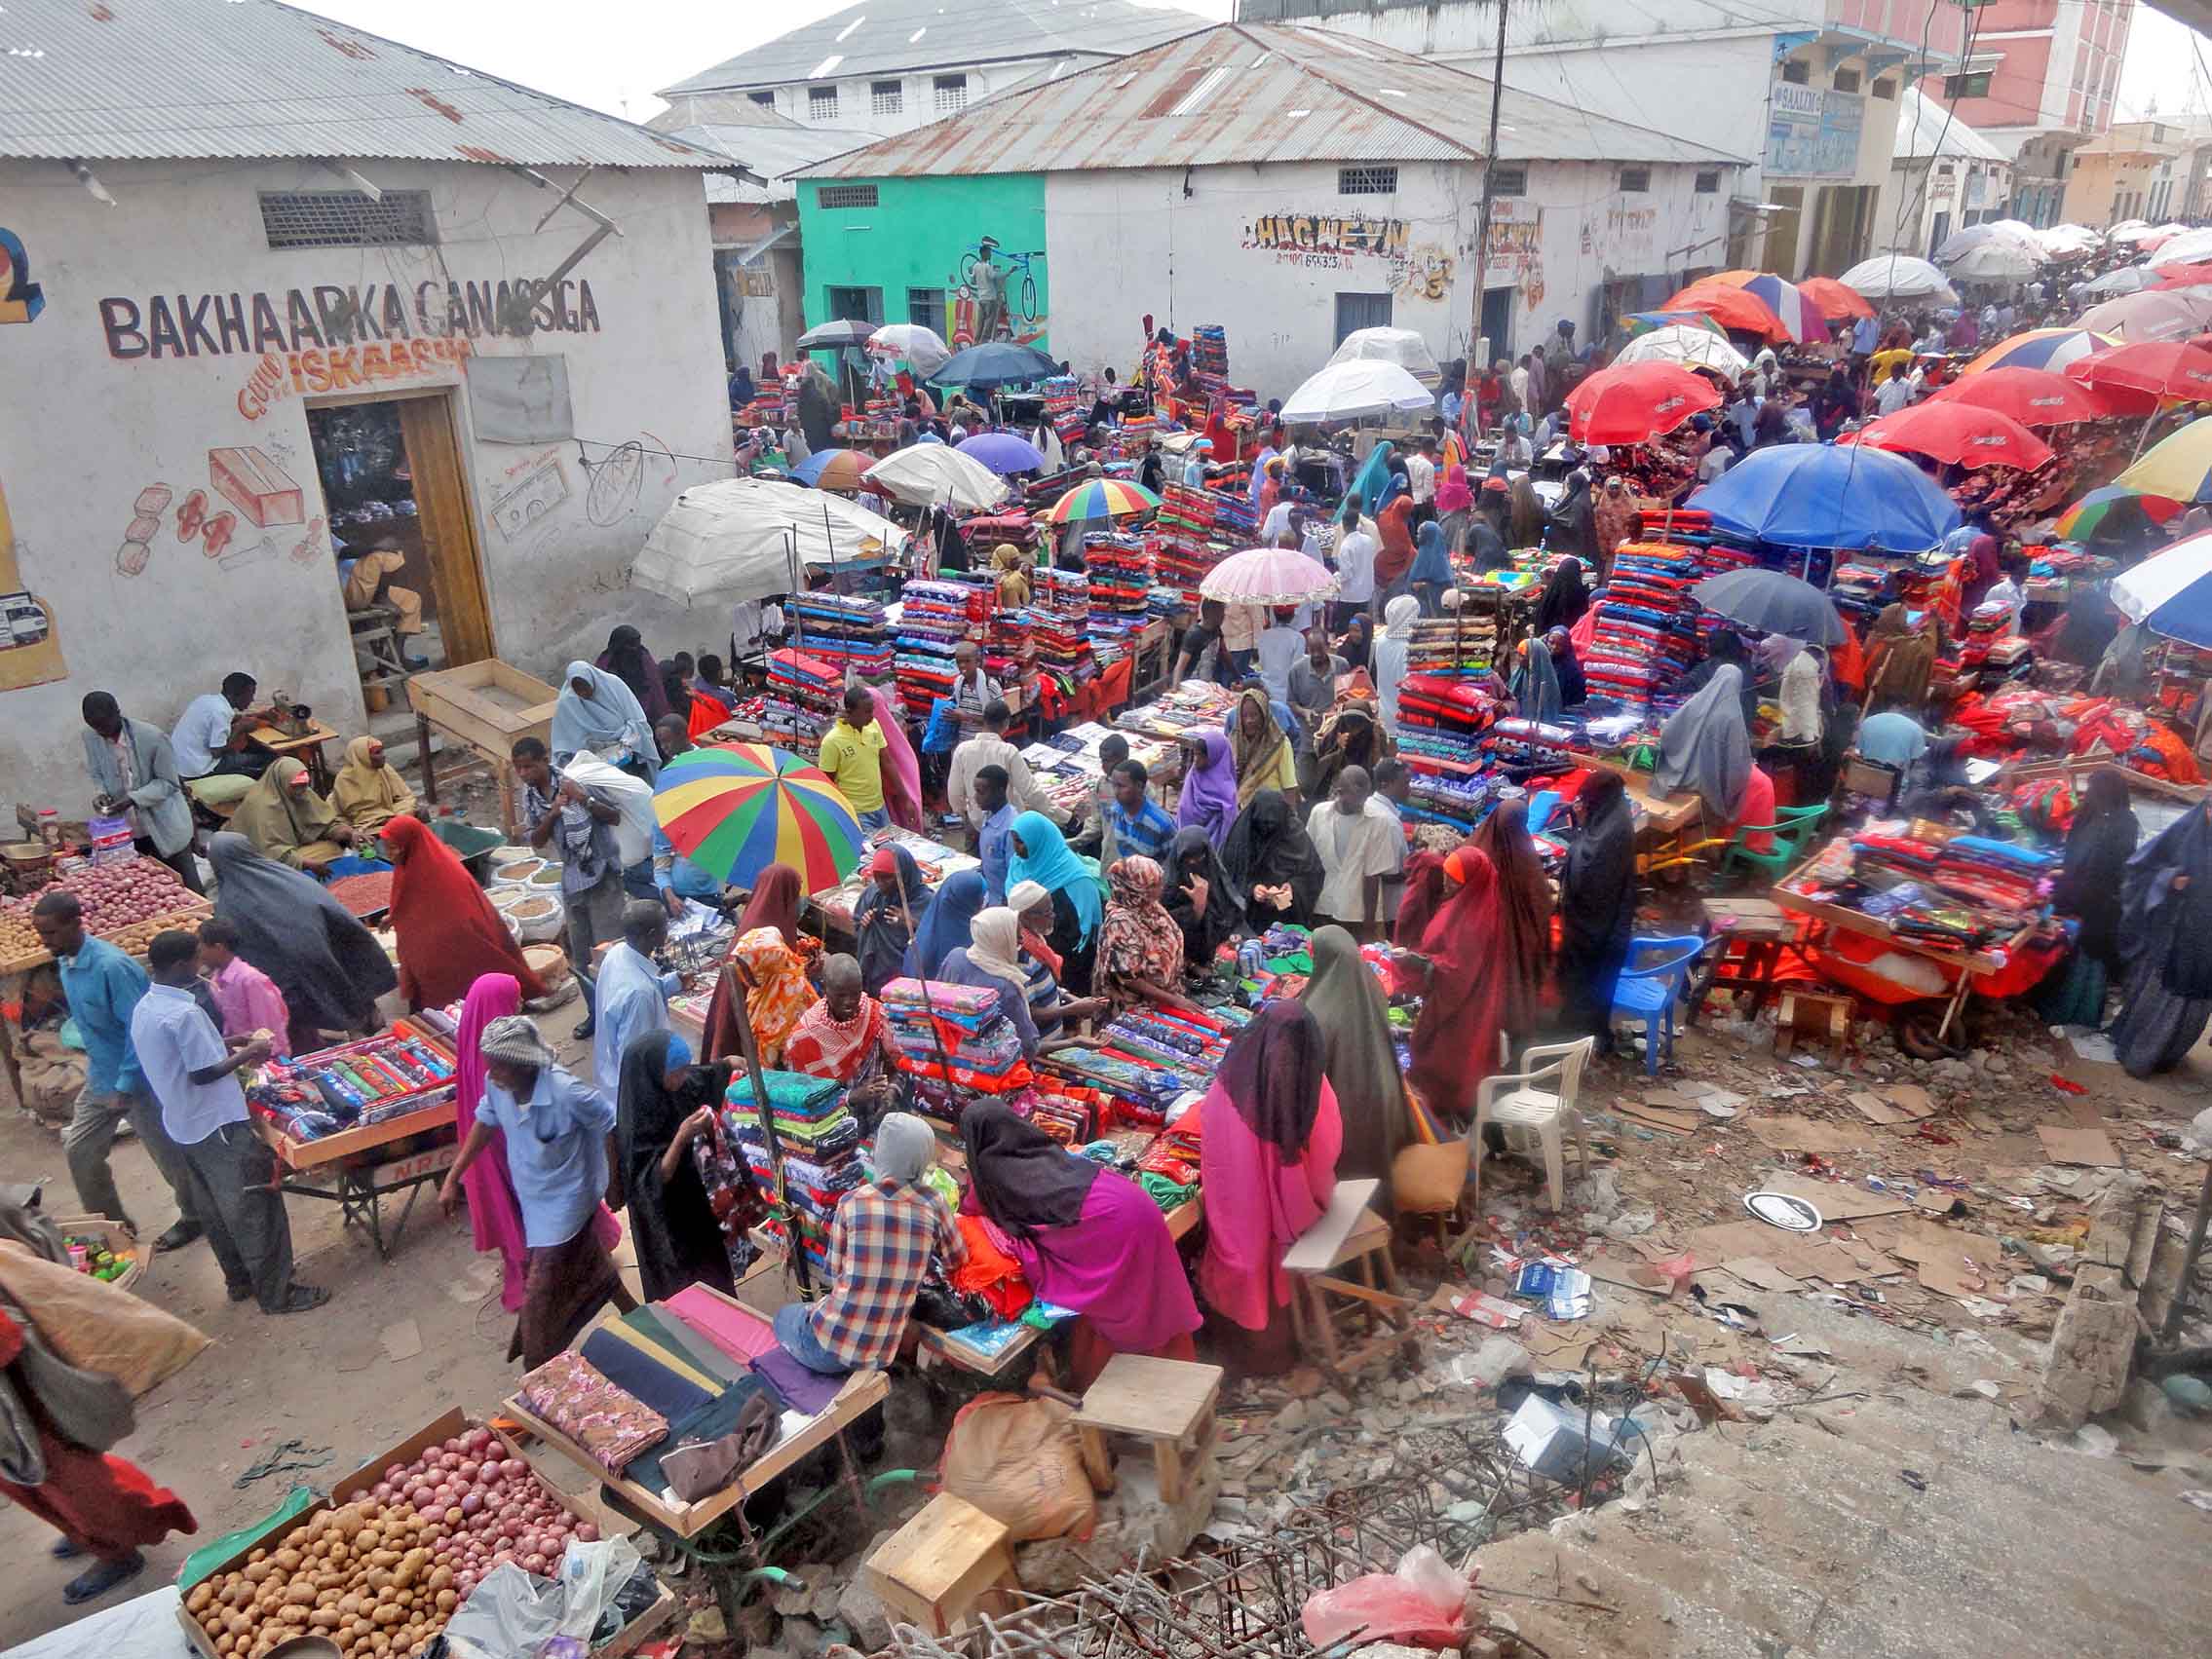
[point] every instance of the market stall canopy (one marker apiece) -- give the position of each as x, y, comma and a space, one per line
1961, 434
735, 809
1638, 323
734, 540
2187, 248
2114, 509
2170, 592
2040, 348
995, 364
1771, 601
2178, 468
2167, 369
2060, 241
1267, 576
1736, 310
834, 469
1998, 259
1400, 346
1835, 299
2128, 230
1899, 275
2160, 314
922, 350
835, 334
930, 474
1818, 495
2125, 280
1357, 391
1691, 347
2181, 276
1791, 305
1632, 402
1004, 452
2033, 397
1101, 498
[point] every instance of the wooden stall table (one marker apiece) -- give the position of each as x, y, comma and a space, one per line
305, 746
484, 706
1761, 928
1664, 823
345, 1169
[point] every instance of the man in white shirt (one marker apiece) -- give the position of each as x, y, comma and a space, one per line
1355, 841
1421, 474
193, 1074
210, 724
1276, 525
1394, 789
1277, 647
1355, 551
1714, 462
1895, 393
990, 747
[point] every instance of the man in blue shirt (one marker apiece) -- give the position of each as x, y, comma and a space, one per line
558, 1135
103, 986
994, 841
193, 1072
1139, 823
631, 997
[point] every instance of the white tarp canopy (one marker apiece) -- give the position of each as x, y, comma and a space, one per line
1995, 260
735, 540
1400, 346
935, 475
2190, 247
1357, 391
1899, 275
1691, 347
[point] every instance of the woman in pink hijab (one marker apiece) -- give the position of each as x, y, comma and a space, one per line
495, 1218
901, 770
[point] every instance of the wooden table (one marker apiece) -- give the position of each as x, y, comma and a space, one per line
486, 706
342, 1169
307, 746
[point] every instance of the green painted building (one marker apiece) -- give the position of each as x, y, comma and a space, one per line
964, 255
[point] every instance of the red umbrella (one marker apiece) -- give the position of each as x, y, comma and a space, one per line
2180, 276
1640, 401
1738, 309
1835, 299
1960, 433
2161, 368
2033, 397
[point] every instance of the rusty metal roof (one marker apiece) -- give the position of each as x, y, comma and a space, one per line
96, 79
1249, 92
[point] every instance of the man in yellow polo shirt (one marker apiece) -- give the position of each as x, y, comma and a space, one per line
852, 753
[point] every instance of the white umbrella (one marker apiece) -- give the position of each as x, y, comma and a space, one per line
1400, 346
935, 475
1691, 347
2126, 280
1899, 275
2061, 240
1356, 391
1997, 259
918, 345
735, 540
2190, 247
2130, 230
2010, 232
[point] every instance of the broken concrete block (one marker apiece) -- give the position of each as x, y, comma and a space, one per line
2085, 1372
1133, 1518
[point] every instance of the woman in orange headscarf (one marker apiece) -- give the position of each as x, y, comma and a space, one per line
449, 935
1455, 1042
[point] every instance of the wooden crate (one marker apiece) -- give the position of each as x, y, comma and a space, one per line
486, 706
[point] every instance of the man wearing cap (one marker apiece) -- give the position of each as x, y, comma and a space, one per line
558, 1136
1194, 464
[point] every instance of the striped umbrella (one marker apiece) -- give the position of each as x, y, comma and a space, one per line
2113, 507
2177, 467
1795, 309
1101, 498
735, 809
834, 469
2040, 348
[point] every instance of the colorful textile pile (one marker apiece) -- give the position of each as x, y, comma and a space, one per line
934, 616
803, 698
1065, 408
958, 1035
1453, 647
568, 1392
1645, 631
1209, 356
1194, 530
353, 1086
1121, 579
1999, 872
843, 630
1059, 611
820, 1142
1441, 723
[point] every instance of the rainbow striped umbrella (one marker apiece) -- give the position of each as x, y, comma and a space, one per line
1101, 498
2114, 508
2042, 348
735, 809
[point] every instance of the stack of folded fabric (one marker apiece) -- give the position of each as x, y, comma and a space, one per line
803, 693
1859, 590
1999, 872
1059, 614
1441, 723
954, 1034
843, 629
1889, 844
934, 616
1191, 1045
1646, 630
609, 1423
1010, 647
1120, 579
818, 1141
1066, 409
1209, 354
1461, 647
1197, 529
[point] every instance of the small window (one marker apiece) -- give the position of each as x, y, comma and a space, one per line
854, 305
766, 101
1797, 72
1366, 180
887, 97
821, 103
949, 93
1885, 90
1636, 181
1507, 181
1975, 85
1845, 81
347, 218
1354, 311
1709, 181
926, 306
845, 196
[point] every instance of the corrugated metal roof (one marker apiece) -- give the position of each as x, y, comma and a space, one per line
885, 37
773, 151
1922, 134
1249, 92
172, 79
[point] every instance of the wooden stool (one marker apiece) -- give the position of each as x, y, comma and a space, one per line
1814, 1015
1347, 1231
377, 641
944, 1563
1763, 928
1166, 1401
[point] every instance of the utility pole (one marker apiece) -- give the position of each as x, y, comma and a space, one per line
1489, 177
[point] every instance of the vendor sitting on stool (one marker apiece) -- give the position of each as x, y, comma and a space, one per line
880, 1247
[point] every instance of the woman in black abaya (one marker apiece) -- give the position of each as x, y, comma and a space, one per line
1597, 908
2165, 932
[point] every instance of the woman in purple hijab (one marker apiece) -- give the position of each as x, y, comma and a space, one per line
1210, 786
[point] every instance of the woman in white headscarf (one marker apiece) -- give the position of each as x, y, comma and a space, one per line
596, 711
1398, 618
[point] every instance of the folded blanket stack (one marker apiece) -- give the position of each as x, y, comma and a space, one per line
1453, 647
1209, 354
1645, 631
934, 616
803, 693
960, 1035
843, 629
1121, 579
1999, 872
1066, 408
1441, 723
819, 1143
1059, 611
1195, 530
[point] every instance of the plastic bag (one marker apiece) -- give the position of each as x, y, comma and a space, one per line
513, 1615
1422, 1604
631, 797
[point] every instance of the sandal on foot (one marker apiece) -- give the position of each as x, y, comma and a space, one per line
304, 1299
66, 1549
103, 1576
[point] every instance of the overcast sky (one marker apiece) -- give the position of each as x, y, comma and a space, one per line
574, 49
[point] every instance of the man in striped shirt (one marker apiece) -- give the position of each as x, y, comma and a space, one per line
1140, 824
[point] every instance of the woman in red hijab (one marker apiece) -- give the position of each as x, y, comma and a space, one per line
449, 935
1455, 1042
1394, 524
1524, 916
774, 903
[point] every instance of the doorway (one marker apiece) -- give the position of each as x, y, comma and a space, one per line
1497, 325
408, 566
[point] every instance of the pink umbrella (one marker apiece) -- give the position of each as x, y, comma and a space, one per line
1267, 576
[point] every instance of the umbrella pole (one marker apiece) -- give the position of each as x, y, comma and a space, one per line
944, 1057
796, 1254
2149, 420
797, 574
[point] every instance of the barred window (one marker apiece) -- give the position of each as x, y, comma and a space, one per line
821, 103
950, 92
887, 97
845, 196
347, 218
1509, 180
1709, 181
1366, 180
1636, 181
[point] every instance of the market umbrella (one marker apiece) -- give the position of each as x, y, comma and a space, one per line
2040, 348
833, 468
2113, 508
1691, 347
2178, 468
1267, 576
919, 346
1822, 495
2000, 259
1736, 310
994, 363
2179, 276
1772, 602
1356, 391
1003, 452
931, 474
1101, 498
1400, 346
835, 334
2159, 314
2130, 230
2159, 369
1963, 435
2033, 397
1835, 299
2170, 592
2124, 279
1628, 404
2188, 247
1789, 303
736, 539
735, 809
1899, 275
2061, 242
1644, 321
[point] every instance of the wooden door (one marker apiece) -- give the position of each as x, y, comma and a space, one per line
448, 528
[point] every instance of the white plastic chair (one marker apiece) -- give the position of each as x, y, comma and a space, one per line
1513, 1101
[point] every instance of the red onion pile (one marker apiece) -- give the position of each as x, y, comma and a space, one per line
494, 1510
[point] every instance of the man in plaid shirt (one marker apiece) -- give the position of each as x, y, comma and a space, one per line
879, 1251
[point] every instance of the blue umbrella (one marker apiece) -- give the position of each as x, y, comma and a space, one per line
1805, 495
1003, 452
843, 467
995, 362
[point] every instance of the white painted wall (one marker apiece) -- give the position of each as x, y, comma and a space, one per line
1122, 243
917, 98
83, 433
